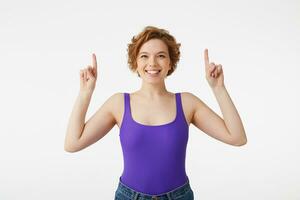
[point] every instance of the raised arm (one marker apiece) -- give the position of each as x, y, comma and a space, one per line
81, 134
230, 129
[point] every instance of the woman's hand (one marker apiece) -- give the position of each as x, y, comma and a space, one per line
88, 77
214, 73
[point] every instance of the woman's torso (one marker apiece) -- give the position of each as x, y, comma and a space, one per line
154, 136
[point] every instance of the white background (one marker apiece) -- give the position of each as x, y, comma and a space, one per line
43, 45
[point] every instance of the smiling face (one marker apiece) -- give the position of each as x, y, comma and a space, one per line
153, 60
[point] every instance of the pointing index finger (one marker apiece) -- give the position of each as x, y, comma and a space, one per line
206, 59
94, 62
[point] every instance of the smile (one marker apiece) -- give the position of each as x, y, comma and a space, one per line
152, 72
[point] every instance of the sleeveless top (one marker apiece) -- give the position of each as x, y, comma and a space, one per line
154, 155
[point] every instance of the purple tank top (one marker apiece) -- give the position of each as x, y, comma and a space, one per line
154, 156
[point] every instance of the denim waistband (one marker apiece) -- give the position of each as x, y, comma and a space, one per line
131, 193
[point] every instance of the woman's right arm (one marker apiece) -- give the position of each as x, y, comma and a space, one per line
77, 121
79, 134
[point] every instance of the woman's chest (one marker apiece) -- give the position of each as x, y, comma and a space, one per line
154, 114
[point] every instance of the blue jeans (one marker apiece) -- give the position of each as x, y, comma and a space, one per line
183, 192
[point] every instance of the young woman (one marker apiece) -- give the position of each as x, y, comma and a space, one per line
154, 122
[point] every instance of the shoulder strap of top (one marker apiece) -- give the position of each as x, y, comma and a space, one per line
180, 113
126, 105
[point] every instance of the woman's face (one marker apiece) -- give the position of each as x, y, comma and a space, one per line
153, 60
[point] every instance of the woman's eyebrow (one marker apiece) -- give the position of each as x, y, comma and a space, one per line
156, 53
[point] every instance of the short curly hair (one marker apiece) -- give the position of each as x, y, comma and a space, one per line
148, 33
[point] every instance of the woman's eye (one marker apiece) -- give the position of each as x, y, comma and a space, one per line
145, 56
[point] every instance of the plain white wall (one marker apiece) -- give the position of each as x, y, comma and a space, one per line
43, 45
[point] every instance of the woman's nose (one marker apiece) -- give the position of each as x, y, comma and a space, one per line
152, 62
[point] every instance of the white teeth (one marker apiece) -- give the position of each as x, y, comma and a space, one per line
153, 71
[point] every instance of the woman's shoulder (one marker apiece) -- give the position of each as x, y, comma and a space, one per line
117, 97
190, 99
192, 102
115, 102
188, 95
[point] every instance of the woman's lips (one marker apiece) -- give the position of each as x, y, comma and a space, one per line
152, 73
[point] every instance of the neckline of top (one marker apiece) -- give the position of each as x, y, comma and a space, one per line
160, 125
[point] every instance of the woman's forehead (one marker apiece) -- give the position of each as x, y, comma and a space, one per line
154, 46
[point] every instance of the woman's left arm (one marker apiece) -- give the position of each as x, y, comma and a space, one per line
232, 120
230, 114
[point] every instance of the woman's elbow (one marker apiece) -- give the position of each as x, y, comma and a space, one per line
240, 142
70, 148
